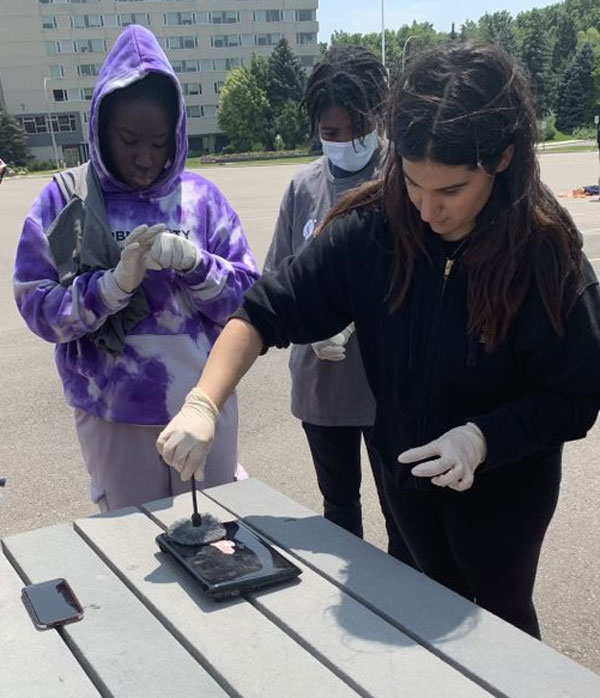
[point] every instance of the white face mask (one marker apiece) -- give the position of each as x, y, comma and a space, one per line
351, 156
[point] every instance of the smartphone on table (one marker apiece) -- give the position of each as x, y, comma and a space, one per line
240, 562
52, 603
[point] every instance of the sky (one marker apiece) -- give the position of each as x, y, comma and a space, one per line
364, 16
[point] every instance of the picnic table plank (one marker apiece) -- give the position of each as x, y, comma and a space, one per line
498, 656
368, 652
242, 646
35, 663
117, 632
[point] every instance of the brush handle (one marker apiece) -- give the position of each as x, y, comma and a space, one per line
196, 518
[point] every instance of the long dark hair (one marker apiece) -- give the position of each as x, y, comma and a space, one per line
349, 77
464, 105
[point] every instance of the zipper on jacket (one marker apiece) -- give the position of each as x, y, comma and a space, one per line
448, 265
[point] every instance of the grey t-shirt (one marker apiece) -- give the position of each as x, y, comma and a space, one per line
327, 393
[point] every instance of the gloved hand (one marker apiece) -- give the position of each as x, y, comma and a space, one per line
170, 251
334, 348
131, 269
460, 451
187, 439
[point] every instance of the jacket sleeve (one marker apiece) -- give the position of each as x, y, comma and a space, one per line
563, 400
282, 242
226, 267
56, 313
307, 298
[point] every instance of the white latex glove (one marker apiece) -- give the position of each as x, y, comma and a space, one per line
455, 456
131, 269
187, 439
171, 251
334, 348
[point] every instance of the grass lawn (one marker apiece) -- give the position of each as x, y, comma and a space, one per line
195, 164
567, 149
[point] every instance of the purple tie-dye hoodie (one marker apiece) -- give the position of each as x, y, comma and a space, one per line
165, 352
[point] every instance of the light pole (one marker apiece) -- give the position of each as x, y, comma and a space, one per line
412, 36
56, 160
382, 32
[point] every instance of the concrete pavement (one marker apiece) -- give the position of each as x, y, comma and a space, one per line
46, 479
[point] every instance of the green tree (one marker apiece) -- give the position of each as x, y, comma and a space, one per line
536, 56
576, 93
469, 30
259, 67
565, 41
498, 27
244, 111
286, 77
13, 140
292, 125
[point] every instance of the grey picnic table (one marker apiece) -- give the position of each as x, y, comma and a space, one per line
356, 622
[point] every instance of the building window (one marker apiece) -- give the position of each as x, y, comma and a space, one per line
193, 111
268, 16
86, 93
66, 47
225, 41
34, 124
304, 38
64, 123
185, 66
91, 46
86, 21
60, 95
57, 72
55, 47
191, 88
209, 111
88, 70
39, 124
306, 16
49, 22
181, 41
221, 65
267, 39
289, 15
225, 17
110, 20
179, 18
142, 18
218, 86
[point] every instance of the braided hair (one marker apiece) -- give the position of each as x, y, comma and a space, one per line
352, 78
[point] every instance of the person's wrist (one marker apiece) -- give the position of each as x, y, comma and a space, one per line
476, 432
199, 401
122, 284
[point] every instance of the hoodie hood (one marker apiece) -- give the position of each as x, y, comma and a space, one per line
135, 54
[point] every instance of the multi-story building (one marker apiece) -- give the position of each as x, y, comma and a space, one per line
51, 52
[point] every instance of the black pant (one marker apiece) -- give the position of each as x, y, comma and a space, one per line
484, 543
336, 455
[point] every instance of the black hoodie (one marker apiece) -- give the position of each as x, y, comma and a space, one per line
535, 391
